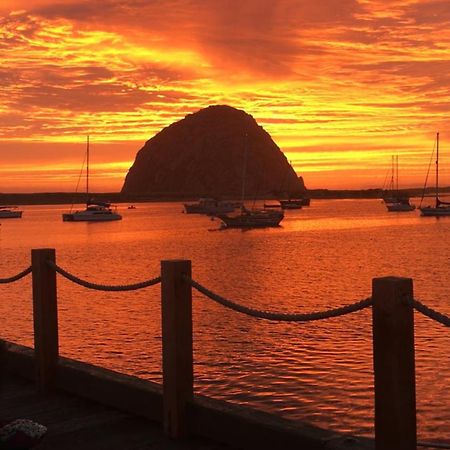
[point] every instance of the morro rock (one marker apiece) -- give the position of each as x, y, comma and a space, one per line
215, 152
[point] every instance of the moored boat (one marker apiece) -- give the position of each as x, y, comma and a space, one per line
95, 211
10, 212
211, 206
252, 219
440, 207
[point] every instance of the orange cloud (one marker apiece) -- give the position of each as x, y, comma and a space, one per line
353, 80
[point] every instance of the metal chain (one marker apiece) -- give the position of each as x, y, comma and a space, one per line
103, 287
285, 317
431, 313
20, 275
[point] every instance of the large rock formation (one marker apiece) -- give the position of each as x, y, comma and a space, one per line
206, 154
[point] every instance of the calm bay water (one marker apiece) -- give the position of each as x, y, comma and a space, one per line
322, 257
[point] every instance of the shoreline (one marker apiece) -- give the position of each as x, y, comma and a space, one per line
55, 198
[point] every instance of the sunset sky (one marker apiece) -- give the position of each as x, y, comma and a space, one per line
341, 85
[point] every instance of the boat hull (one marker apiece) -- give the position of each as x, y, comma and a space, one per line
82, 217
10, 214
431, 211
400, 207
261, 219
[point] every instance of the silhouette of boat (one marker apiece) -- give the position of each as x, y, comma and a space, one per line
95, 211
291, 203
211, 206
131, 207
395, 200
10, 212
250, 218
440, 208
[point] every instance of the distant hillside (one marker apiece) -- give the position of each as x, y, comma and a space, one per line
204, 155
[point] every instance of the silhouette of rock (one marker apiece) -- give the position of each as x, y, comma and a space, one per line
206, 154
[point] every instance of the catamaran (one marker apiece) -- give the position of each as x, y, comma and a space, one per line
95, 211
440, 208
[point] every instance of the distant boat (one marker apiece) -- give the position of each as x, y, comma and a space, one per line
211, 206
395, 200
272, 205
291, 203
10, 212
95, 211
250, 218
131, 207
440, 208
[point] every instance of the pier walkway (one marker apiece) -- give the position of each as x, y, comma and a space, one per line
76, 423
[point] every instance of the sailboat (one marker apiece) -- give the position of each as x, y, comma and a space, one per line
395, 201
440, 208
95, 211
250, 218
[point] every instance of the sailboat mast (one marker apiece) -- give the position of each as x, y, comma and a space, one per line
87, 169
244, 167
396, 171
392, 175
437, 169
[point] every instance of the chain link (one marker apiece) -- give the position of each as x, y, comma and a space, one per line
20, 275
431, 313
285, 317
103, 287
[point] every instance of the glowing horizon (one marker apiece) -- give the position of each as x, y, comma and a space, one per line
339, 85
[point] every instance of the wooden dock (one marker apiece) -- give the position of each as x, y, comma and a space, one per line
76, 423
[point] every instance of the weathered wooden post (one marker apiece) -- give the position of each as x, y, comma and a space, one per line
178, 372
394, 365
45, 318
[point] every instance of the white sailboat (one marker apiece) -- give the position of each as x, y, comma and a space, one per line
95, 211
440, 208
396, 201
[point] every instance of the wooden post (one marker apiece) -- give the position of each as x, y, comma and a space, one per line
394, 366
45, 317
178, 372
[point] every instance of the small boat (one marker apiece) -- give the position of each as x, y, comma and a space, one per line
10, 212
211, 207
252, 219
440, 207
272, 205
400, 206
95, 211
131, 207
395, 200
291, 204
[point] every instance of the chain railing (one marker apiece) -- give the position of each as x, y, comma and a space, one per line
103, 287
279, 316
17, 277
